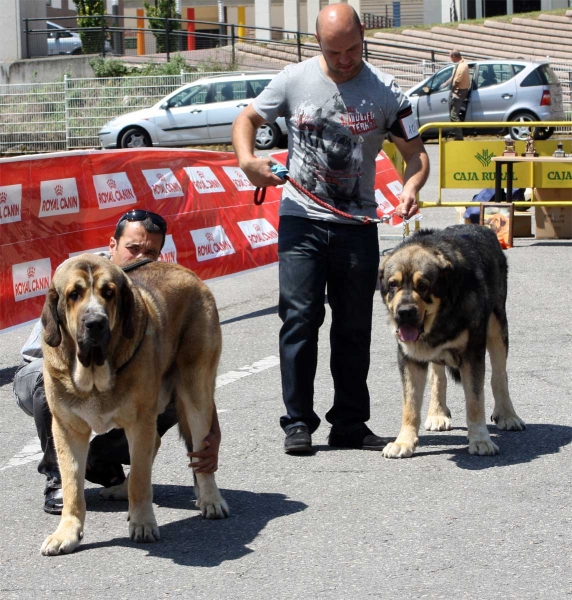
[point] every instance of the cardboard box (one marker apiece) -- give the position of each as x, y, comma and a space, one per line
553, 222
522, 225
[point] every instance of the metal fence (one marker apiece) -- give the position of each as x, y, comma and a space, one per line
65, 115
158, 38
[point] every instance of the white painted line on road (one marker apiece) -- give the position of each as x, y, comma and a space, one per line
32, 451
257, 367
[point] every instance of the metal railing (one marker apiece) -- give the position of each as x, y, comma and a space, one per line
372, 21
134, 36
68, 115
558, 125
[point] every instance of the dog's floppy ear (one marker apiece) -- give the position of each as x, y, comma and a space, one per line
446, 284
382, 288
127, 310
51, 320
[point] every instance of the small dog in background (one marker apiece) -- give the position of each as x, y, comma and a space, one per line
445, 291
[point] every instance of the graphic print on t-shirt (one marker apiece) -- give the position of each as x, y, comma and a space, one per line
329, 163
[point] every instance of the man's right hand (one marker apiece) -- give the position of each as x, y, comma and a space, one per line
258, 171
243, 135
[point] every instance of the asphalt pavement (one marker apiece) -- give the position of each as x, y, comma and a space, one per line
339, 524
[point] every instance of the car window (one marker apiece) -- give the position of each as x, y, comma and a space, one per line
547, 75
55, 32
235, 90
441, 80
489, 75
257, 86
542, 75
196, 94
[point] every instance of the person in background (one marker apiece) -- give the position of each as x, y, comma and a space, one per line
139, 235
459, 91
338, 110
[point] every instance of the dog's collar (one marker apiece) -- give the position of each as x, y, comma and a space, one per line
136, 265
130, 359
127, 268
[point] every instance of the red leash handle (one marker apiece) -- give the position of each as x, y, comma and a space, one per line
260, 194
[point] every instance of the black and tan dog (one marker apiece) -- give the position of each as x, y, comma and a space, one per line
115, 349
445, 291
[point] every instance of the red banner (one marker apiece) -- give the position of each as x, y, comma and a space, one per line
57, 205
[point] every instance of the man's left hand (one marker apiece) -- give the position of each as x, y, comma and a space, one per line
407, 207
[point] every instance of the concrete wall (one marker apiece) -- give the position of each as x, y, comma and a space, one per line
12, 41
44, 70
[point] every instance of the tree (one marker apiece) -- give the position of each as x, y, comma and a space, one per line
92, 42
164, 9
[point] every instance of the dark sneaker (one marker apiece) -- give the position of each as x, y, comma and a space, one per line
298, 440
53, 497
359, 437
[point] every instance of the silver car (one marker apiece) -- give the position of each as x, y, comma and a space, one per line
197, 113
64, 41
501, 90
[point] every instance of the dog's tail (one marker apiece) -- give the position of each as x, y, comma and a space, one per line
455, 374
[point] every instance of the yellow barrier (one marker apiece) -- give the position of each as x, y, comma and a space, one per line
468, 163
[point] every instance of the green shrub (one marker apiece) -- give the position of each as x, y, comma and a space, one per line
87, 10
109, 67
157, 14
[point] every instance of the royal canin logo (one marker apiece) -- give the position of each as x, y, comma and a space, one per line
201, 174
59, 189
3, 197
111, 183
31, 272
209, 236
160, 177
257, 228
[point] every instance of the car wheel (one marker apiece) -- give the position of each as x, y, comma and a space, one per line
523, 131
135, 138
267, 136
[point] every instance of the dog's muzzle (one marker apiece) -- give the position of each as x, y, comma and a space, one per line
93, 339
409, 323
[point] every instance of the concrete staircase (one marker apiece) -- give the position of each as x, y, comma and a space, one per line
531, 39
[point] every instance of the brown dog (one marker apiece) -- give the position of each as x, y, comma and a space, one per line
445, 291
115, 349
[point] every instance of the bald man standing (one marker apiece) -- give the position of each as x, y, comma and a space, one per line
338, 110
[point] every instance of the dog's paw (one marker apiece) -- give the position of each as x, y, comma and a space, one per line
483, 448
115, 492
62, 541
508, 422
144, 531
438, 423
213, 510
398, 450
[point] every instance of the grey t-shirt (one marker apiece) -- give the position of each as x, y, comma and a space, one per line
335, 132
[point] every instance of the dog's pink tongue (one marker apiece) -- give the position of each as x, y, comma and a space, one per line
408, 333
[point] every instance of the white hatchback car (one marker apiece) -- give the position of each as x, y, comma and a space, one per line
201, 112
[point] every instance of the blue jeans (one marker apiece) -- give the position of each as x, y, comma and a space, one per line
344, 258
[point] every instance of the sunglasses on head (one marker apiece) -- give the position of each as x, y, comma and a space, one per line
138, 214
